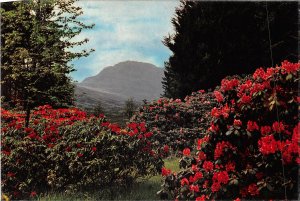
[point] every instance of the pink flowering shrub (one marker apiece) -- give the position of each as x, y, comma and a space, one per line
251, 150
177, 124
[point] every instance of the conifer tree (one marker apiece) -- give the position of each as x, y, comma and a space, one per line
37, 38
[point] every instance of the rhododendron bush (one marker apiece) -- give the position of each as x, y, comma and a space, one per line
177, 124
251, 150
66, 150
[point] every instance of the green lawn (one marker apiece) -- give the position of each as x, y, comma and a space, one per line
143, 190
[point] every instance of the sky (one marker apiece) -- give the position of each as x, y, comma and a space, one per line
124, 30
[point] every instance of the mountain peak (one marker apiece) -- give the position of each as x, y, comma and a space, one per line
128, 79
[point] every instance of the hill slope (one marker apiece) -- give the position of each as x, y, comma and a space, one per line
115, 84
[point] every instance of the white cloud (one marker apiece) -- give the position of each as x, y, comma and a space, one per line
125, 30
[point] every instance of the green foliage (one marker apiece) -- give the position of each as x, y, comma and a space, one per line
129, 108
98, 109
216, 39
176, 124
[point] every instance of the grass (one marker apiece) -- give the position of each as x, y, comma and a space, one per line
144, 189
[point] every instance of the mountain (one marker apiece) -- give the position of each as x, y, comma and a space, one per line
116, 84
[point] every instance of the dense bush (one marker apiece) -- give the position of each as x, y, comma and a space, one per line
66, 150
251, 150
177, 124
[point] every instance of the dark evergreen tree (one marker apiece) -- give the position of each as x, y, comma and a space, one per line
36, 48
216, 39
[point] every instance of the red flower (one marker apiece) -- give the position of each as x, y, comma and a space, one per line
194, 188
105, 124
28, 130
260, 73
215, 187
227, 85
201, 198
237, 199
245, 99
290, 67
198, 175
184, 181
186, 152
221, 177
259, 175
149, 134
166, 148
265, 130
68, 149
33, 194
218, 96
79, 154
278, 127
18, 126
237, 122
165, 171
220, 147
252, 126
253, 190
208, 166
201, 141
201, 156
32, 135
213, 128
215, 112
230, 166
94, 149
7, 153
195, 168
11, 174
267, 145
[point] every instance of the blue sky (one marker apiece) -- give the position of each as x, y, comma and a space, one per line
124, 30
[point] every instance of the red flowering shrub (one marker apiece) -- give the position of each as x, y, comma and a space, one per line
64, 149
176, 124
251, 150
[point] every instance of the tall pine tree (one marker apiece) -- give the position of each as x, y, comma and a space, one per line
36, 48
216, 39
